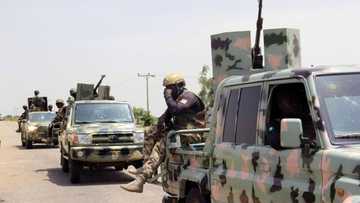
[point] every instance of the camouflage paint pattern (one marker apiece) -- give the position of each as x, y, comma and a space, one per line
255, 173
39, 134
282, 48
231, 54
110, 142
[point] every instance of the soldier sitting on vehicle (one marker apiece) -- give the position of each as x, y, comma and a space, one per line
60, 115
185, 110
24, 115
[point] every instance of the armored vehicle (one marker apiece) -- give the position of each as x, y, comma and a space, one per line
99, 133
278, 133
35, 129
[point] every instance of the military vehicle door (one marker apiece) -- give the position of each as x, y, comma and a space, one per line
237, 115
286, 174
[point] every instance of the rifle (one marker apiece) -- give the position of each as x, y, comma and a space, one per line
257, 58
98, 85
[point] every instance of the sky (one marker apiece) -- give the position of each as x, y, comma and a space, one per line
50, 45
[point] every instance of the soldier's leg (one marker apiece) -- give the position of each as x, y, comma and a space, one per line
149, 141
149, 168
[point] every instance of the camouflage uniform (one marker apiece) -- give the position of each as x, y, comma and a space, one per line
24, 115
60, 116
184, 112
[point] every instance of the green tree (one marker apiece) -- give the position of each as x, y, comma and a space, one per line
206, 82
143, 118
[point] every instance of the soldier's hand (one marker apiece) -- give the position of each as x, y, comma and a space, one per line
167, 92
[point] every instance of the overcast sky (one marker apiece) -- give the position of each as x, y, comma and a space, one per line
51, 45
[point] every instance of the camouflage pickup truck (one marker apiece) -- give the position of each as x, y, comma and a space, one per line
35, 129
278, 136
100, 133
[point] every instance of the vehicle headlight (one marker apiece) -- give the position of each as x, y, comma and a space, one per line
32, 128
139, 137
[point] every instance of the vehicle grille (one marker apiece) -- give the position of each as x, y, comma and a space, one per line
42, 129
112, 138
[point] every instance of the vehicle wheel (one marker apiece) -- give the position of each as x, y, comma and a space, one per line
64, 163
29, 144
167, 199
195, 196
75, 169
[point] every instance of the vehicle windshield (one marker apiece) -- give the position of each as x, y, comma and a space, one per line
41, 117
340, 102
103, 113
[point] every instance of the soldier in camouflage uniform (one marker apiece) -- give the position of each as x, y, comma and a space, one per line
60, 115
37, 103
185, 110
24, 115
73, 93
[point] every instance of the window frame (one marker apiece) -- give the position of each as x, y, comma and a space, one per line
267, 95
241, 86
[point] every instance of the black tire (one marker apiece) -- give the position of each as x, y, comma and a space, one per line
167, 199
64, 163
75, 169
29, 144
195, 196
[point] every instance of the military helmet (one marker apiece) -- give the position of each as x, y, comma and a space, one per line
36, 92
59, 101
70, 100
173, 79
24, 107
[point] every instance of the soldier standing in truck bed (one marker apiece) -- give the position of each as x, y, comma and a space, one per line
185, 110
37, 102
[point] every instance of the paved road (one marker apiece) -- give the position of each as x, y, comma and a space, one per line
35, 176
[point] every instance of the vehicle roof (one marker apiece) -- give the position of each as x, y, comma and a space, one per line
290, 73
100, 102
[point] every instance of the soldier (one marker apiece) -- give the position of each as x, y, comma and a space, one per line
60, 115
73, 93
185, 110
24, 115
37, 102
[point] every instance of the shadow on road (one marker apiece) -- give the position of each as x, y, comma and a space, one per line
88, 177
35, 147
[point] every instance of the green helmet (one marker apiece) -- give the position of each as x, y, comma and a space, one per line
60, 101
36, 92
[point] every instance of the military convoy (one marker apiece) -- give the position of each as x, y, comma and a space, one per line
99, 132
280, 133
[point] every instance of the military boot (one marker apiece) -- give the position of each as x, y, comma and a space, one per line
135, 171
135, 186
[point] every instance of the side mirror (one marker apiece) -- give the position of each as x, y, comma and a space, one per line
291, 132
